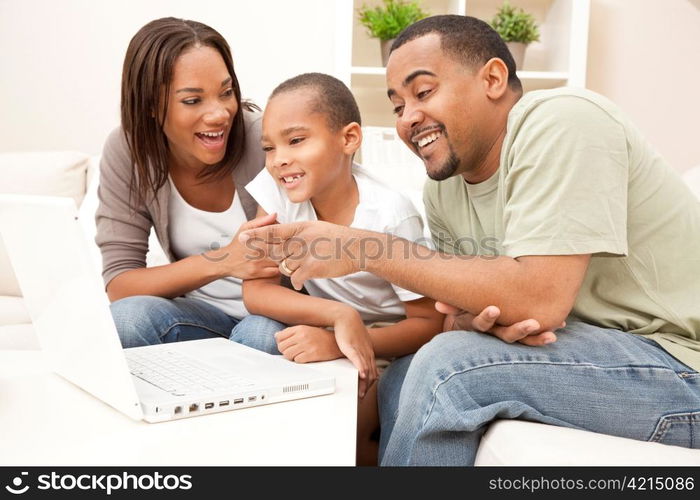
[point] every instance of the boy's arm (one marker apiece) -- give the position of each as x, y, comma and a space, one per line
422, 323
267, 297
271, 299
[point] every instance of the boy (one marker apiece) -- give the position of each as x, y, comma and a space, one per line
311, 131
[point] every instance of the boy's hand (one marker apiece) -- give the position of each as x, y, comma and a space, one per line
354, 342
306, 344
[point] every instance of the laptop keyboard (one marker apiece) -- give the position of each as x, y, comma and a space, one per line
181, 375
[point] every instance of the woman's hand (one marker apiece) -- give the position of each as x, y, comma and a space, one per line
238, 261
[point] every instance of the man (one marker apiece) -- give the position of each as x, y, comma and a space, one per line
571, 214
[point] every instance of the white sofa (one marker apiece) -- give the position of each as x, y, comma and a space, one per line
507, 442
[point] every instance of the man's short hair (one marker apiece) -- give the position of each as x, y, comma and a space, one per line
469, 40
333, 98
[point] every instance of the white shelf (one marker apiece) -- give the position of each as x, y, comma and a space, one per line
558, 59
523, 75
543, 75
368, 70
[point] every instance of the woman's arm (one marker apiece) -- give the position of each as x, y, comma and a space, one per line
190, 273
123, 228
422, 323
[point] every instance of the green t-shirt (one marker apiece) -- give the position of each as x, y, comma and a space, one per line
576, 177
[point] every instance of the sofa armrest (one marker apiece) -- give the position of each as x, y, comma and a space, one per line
517, 442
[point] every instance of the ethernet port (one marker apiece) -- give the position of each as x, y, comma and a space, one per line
194, 407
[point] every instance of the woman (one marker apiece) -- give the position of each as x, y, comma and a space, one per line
186, 147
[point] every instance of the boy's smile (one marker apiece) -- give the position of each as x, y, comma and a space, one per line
290, 181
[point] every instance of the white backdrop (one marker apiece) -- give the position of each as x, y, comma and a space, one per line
60, 60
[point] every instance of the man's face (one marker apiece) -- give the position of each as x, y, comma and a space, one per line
438, 103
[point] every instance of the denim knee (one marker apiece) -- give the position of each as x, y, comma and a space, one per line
135, 318
257, 332
389, 390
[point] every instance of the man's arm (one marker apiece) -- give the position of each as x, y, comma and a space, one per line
543, 288
540, 287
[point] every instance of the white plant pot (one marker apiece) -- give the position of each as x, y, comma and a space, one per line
385, 46
517, 49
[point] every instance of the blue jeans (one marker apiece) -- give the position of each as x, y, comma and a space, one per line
146, 320
435, 407
258, 332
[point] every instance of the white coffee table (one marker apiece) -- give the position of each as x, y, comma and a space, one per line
45, 420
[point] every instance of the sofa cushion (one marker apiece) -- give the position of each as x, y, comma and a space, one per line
387, 158
39, 173
18, 337
516, 442
8, 281
45, 173
13, 311
692, 178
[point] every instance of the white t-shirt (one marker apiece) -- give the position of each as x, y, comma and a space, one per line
380, 209
192, 232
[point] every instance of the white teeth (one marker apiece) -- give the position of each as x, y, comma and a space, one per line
212, 134
292, 178
428, 139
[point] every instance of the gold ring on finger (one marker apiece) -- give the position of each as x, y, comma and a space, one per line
284, 268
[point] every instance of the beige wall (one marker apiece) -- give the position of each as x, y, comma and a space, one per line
61, 60
645, 56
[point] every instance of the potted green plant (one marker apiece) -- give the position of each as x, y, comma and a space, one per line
517, 28
387, 21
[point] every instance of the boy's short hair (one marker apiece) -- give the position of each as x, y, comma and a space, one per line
333, 98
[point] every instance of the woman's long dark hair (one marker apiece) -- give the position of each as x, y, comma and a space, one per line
146, 77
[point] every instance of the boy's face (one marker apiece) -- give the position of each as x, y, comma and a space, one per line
301, 152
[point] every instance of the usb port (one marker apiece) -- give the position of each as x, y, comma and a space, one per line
223, 403
208, 406
252, 398
237, 401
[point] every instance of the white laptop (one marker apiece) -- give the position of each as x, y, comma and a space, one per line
70, 311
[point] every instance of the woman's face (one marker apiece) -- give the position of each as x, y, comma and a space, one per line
201, 108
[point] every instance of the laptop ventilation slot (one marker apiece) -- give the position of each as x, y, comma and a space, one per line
295, 388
